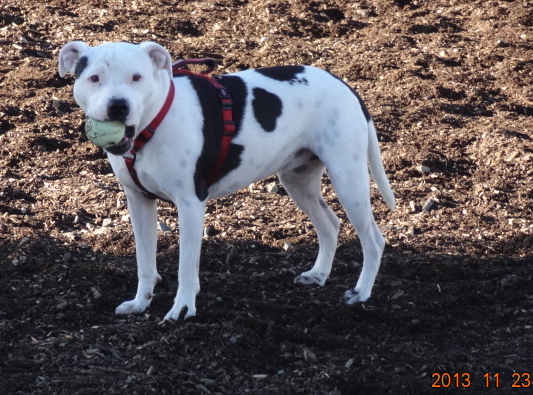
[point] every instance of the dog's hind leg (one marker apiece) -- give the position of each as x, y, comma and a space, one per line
351, 183
303, 185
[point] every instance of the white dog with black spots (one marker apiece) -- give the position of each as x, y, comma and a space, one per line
293, 121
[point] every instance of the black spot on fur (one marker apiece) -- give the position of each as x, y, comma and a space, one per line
363, 105
212, 130
366, 113
284, 73
267, 108
80, 66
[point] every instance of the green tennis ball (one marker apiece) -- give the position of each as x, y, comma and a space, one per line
104, 134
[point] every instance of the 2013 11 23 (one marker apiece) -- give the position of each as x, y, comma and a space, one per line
491, 380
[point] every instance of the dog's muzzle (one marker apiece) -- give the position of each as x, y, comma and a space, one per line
118, 110
124, 145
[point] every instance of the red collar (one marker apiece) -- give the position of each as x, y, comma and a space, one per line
149, 131
144, 137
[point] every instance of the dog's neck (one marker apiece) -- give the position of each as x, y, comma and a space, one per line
162, 79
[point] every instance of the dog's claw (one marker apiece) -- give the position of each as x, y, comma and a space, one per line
310, 277
184, 306
182, 314
352, 296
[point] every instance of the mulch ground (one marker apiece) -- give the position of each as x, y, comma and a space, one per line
450, 87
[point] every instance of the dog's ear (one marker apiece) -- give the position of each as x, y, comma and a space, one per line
159, 55
70, 55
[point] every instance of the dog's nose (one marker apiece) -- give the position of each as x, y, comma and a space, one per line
118, 110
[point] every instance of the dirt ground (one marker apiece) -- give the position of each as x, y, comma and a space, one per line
450, 87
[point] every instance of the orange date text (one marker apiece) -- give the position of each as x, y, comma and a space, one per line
490, 380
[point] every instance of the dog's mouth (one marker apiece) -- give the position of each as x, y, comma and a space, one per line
123, 145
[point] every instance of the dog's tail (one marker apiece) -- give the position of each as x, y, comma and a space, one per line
376, 167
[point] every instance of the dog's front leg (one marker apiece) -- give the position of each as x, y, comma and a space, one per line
143, 215
191, 221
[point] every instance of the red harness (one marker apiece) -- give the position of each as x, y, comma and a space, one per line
180, 68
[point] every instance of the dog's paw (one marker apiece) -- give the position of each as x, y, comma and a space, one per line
131, 307
182, 314
310, 277
352, 296
184, 306
176, 314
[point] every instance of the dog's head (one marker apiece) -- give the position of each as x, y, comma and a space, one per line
118, 82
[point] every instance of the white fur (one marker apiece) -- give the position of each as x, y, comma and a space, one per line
321, 118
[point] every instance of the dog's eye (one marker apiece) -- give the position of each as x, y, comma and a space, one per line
136, 77
94, 78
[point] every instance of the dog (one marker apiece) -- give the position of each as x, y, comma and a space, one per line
293, 121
